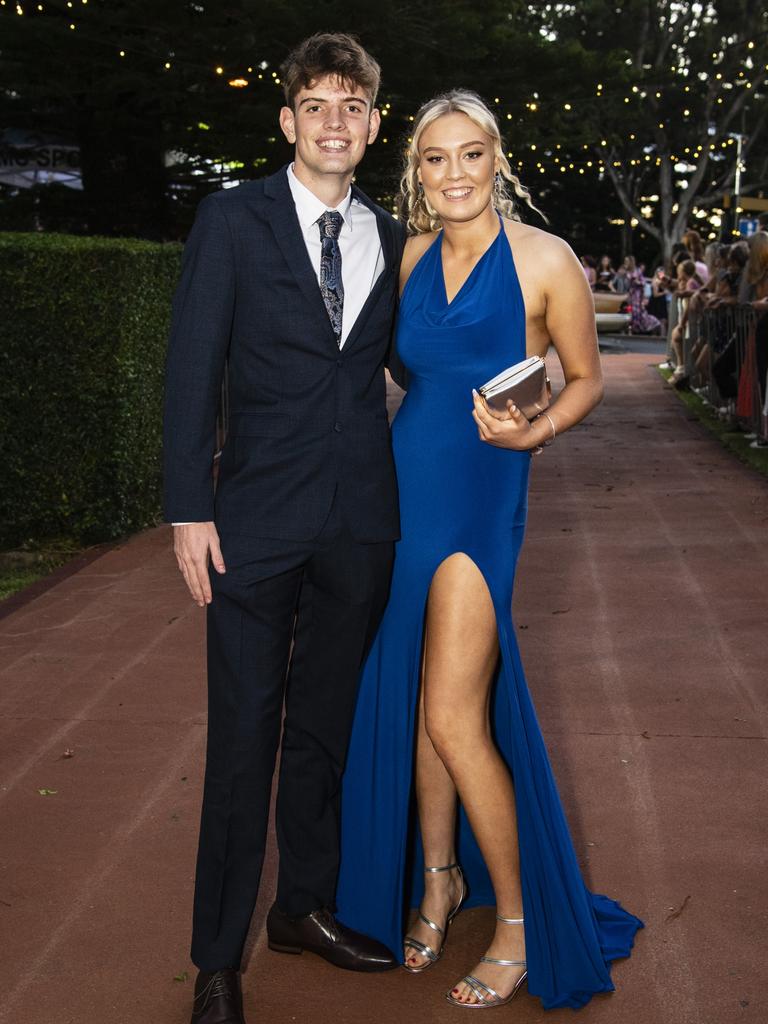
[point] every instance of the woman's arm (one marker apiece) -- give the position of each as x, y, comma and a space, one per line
570, 323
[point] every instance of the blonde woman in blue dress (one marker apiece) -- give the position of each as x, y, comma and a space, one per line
444, 711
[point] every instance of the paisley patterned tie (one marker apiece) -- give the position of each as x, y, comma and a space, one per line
330, 269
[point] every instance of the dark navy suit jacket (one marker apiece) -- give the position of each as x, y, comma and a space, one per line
307, 422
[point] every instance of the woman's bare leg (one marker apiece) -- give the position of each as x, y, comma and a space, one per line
436, 799
460, 656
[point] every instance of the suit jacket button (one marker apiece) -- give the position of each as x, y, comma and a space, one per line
337, 427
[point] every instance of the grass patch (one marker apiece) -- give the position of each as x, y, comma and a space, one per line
733, 440
18, 569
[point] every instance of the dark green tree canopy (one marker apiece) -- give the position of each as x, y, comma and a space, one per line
603, 105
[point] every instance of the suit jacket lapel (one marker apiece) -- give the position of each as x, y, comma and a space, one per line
287, 230
387, 248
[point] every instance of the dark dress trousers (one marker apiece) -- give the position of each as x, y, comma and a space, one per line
306, 509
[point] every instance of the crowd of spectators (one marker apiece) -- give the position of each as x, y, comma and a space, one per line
718, 333
627, 279
711, 302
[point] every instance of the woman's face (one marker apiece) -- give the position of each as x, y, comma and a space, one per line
457, 167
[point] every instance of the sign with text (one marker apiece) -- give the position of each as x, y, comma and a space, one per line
26, 166
748, 226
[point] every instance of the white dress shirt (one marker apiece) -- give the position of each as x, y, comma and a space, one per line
362, 258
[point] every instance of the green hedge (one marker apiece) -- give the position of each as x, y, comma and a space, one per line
82, 347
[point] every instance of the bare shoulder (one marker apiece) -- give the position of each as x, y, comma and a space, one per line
415, 247
550, 252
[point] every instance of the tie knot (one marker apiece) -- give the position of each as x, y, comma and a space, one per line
330, 224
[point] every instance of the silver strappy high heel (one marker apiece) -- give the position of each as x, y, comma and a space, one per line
486, 996
421, 947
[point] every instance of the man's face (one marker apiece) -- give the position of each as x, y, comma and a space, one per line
330, 124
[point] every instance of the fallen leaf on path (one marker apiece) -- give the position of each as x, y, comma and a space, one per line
69, 752
47, 792
680, 909
560, 611
184, 976
645, 734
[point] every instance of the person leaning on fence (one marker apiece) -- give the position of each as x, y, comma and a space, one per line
688, 283
669, 282
757, 276
717, 286
720, 293
693, 242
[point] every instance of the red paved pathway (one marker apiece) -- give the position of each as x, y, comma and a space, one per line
644, 639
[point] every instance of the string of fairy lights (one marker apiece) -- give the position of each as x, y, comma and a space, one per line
582, 159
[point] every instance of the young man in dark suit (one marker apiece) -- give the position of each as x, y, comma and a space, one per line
292, 280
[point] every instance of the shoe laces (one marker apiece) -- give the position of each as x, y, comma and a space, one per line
328, 923
219, 985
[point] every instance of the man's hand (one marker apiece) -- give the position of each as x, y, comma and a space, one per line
193, 543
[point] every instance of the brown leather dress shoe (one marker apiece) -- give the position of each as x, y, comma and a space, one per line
218, 999
320, 933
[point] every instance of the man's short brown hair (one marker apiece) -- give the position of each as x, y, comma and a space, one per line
329, 53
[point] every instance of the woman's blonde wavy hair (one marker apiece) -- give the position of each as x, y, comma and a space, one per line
757, 267
414, 210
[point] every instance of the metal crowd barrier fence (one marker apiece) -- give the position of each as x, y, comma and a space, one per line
725, 353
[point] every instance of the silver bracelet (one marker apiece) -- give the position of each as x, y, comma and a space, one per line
554, 432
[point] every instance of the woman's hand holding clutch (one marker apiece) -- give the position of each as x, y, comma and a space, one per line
508, 429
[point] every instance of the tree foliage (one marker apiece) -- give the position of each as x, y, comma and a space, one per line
592, 98
672, 85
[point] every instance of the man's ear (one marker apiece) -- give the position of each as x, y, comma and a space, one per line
288, 124
374, 124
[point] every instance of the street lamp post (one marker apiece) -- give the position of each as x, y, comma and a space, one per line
739, 137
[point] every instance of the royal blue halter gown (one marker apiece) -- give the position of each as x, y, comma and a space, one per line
458, 494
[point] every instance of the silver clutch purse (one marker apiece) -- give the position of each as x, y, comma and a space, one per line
526, 384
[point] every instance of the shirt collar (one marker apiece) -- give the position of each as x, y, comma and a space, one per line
309, 208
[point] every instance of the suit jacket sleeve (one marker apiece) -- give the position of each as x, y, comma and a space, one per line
201, 325
395, 365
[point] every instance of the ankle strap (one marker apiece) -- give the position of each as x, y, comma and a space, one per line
510, 920
446, 867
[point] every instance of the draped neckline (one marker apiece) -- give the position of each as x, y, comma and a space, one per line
471, 274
